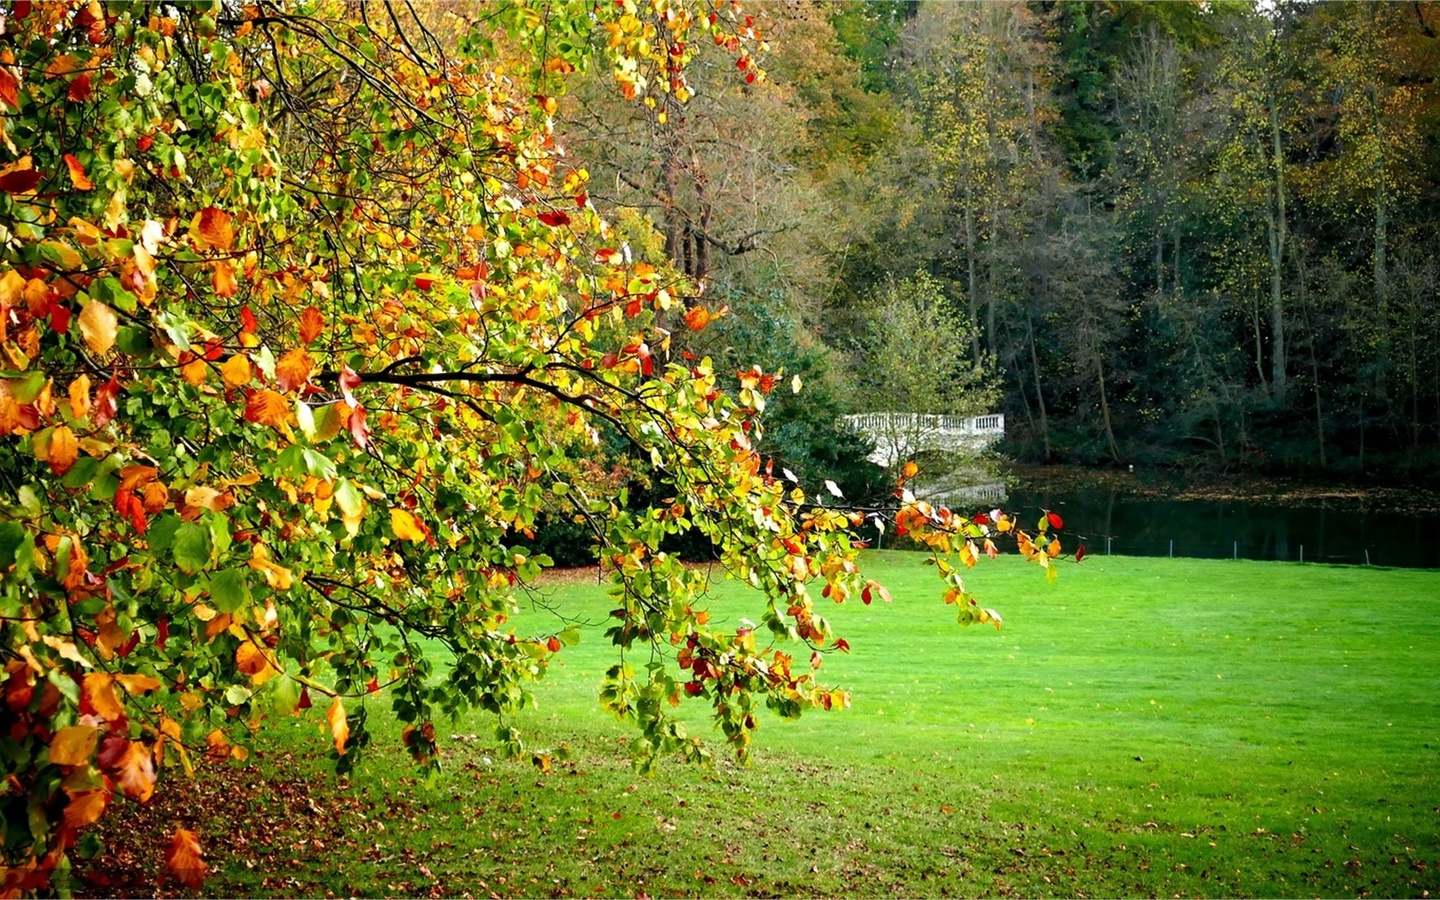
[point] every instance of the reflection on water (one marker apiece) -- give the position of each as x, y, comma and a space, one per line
1104, 519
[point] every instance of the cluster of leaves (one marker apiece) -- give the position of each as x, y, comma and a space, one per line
304, 321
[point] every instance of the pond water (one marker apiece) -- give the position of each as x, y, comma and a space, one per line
1109, 520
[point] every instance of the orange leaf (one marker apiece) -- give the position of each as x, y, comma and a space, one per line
132, 766
265, 407
697, 317
216, 227
182, 858
80, 397
236, 371
99, 689
339, 728
78, 177
74, 745
85, 808
222, 278
98, 326
311, 324
9, 88
195, 371
136, 683
293, 370
64, 450
254, 662
406, 526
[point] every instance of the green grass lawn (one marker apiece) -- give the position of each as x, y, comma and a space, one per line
1140, 727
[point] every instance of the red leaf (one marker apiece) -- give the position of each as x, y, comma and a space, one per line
304, 701
981, 519
581, 200
358, 429
311, 324
1079, 552
553, 645
105, 406
20, 10
1055, 520
554, 219
162, 632
19, 181
424, 282
842, 645
59, 318
247, 321
80, 88
373, 685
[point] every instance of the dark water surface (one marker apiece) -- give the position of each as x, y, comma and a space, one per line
1107, 519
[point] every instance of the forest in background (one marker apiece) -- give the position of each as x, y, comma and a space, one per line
1198, 235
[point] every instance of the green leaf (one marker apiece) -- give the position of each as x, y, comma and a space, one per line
191, 549
229, 590
12, 538
162, 533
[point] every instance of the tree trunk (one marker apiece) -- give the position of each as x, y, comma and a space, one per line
1278, 235
970, 272
1105, 406
1039, 394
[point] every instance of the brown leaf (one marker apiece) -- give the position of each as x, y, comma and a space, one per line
265, 407
339, 727
311, 324
182, 858
73, 745
293, 370
216, 227
98, 326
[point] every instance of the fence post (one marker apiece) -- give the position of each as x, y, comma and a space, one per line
1302, 553
1237, 551
1107, 545
1172, 548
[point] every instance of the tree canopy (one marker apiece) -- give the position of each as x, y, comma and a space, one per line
306, 316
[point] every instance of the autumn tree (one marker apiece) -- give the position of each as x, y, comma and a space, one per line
305, 319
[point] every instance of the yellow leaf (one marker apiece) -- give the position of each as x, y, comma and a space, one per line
339, 727
73, 745
255, 662
236, 371
98, 326
138, 684
276, 576
406, 526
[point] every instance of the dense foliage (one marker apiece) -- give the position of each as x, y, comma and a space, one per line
1196, 234
306, 321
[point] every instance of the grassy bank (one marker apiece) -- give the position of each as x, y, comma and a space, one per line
1149, 727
